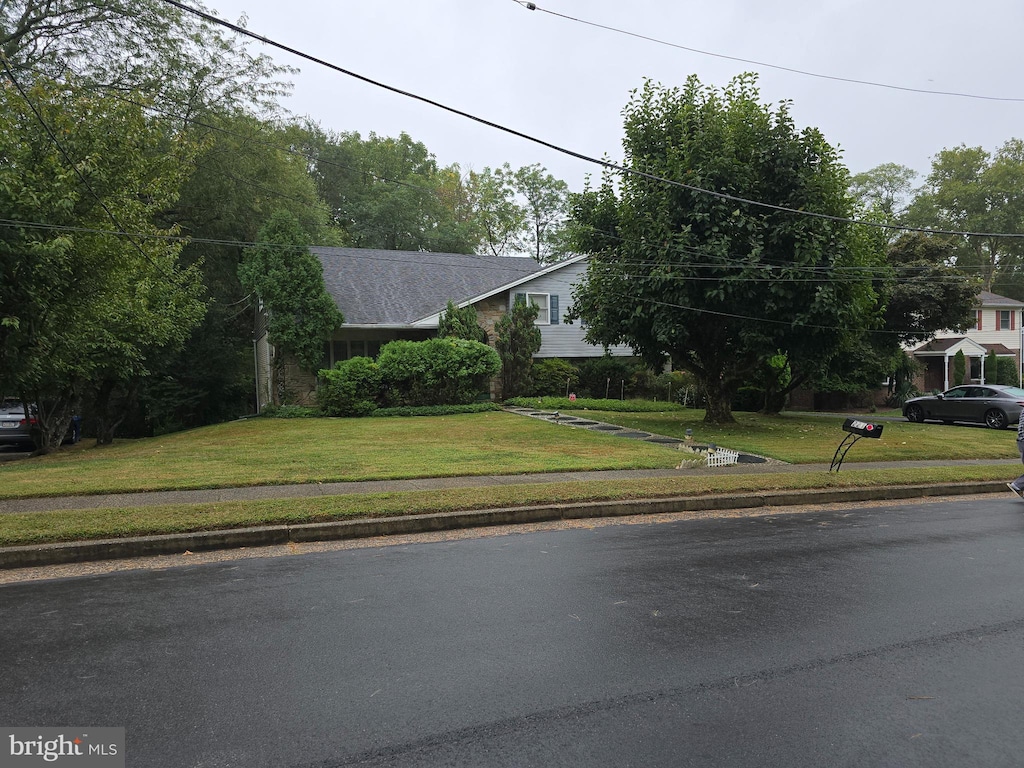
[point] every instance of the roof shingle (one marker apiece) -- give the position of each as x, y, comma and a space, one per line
377, 287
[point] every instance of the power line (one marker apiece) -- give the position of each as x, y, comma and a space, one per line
534, 7
815, 273
572, 153
15, 223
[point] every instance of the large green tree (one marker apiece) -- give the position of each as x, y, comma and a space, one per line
716, 285
139, 46
289, 282
246, 171
887, 188
546, 204
90, 289
971, 190
919, 293
499, 216
390, 193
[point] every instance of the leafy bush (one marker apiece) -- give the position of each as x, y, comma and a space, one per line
612, 377
551, 376
351, 388
679, 387
1006, 368
591, 404
460, 323
437, 410
517, 340
288, 412
748, 399
445, 371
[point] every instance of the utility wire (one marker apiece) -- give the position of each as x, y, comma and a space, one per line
534, 7
572, 153
816, 273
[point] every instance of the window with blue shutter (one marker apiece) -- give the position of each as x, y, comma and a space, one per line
553, 301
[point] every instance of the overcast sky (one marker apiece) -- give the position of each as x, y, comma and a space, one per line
566, 82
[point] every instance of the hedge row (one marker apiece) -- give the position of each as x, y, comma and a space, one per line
409, 374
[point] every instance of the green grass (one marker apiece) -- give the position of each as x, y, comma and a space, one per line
806, 438
75, 525
281, 451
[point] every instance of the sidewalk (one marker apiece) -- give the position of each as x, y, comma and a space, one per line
307, 490
76, 552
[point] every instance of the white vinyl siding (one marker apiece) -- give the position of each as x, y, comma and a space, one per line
997, 327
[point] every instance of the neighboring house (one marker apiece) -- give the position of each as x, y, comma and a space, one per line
997, 328
390, 295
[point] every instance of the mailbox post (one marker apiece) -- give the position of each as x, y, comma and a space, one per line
855, 429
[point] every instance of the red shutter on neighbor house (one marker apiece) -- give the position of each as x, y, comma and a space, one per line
1013, 314
979, 319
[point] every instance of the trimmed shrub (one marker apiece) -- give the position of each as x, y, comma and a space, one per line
552, 376
460, 323
437, 410
959, 368
445, 371
588, 404
517, 340
288, 411
350, 388
1006, 368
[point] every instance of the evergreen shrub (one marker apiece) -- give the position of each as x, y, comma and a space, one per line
351, 388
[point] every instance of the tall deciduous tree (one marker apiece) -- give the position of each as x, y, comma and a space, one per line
90, 288
499, 216
715, 285
390, 193
970, 189
546, 204
887, 189
289, 282
244, 173
141, 46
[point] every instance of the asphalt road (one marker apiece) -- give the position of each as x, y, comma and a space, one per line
871, 636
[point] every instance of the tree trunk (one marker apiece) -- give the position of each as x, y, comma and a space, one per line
53, 419
106, 422
717, 401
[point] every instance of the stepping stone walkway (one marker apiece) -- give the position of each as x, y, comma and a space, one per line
555, 417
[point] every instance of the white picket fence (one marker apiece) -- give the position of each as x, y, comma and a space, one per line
722, 457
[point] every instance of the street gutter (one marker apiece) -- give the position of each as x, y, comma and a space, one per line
169, 544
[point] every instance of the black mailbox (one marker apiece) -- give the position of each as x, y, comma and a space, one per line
862, 428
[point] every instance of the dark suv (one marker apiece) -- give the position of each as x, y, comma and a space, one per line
16, 429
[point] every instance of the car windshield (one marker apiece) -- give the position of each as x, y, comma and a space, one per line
1014, 392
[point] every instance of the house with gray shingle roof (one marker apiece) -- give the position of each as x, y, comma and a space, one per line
389, 295
997, 328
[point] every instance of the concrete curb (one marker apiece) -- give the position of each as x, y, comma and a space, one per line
144, 546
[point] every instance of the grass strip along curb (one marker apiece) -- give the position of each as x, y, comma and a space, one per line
267, 535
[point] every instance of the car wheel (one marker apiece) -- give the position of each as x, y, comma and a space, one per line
915, 413
996, 419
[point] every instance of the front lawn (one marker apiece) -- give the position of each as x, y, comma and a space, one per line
801, 438
281, 451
